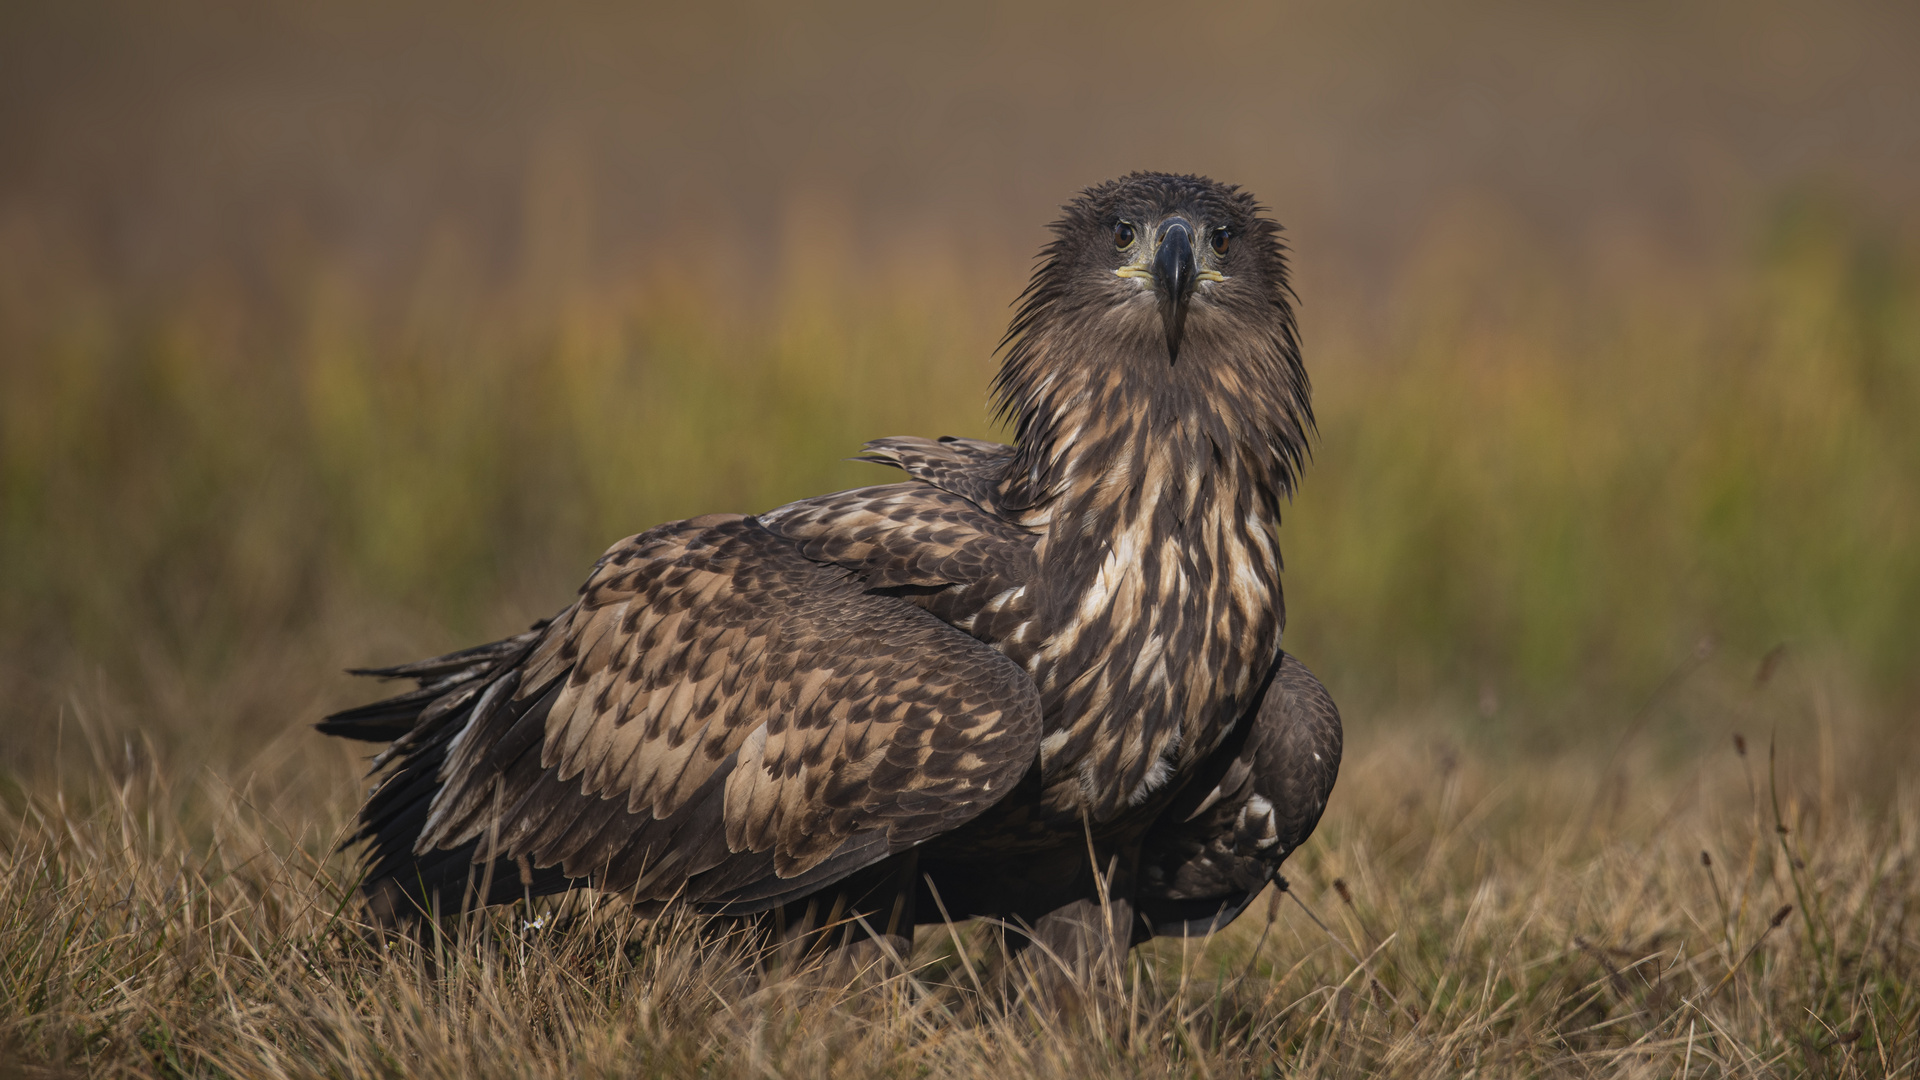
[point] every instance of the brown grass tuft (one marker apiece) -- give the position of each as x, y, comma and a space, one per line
159, 920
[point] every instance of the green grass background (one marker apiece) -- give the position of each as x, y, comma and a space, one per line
1530, 500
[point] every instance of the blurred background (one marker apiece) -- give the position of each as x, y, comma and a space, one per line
340, 334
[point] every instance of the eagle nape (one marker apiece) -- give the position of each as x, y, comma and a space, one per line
1039, 682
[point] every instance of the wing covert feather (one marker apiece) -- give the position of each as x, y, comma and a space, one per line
906, 535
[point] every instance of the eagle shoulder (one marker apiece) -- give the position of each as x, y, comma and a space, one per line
970, 468
969, 567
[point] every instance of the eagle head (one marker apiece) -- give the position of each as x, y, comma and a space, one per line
1177, 256
1160, 295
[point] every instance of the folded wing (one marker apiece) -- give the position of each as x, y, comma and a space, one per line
1226, 835
718, 717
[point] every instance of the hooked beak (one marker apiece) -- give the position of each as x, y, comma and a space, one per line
1174, 275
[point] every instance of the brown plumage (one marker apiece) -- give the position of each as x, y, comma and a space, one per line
976, 690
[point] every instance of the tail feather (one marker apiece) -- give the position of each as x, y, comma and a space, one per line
438, 678
420, 724
461, 662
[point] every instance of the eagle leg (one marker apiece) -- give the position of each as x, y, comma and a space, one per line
1069, 940
860, 924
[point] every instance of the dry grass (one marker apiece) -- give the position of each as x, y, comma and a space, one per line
1736, 916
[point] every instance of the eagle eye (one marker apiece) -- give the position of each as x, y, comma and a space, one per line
1122, 235
1220, 238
